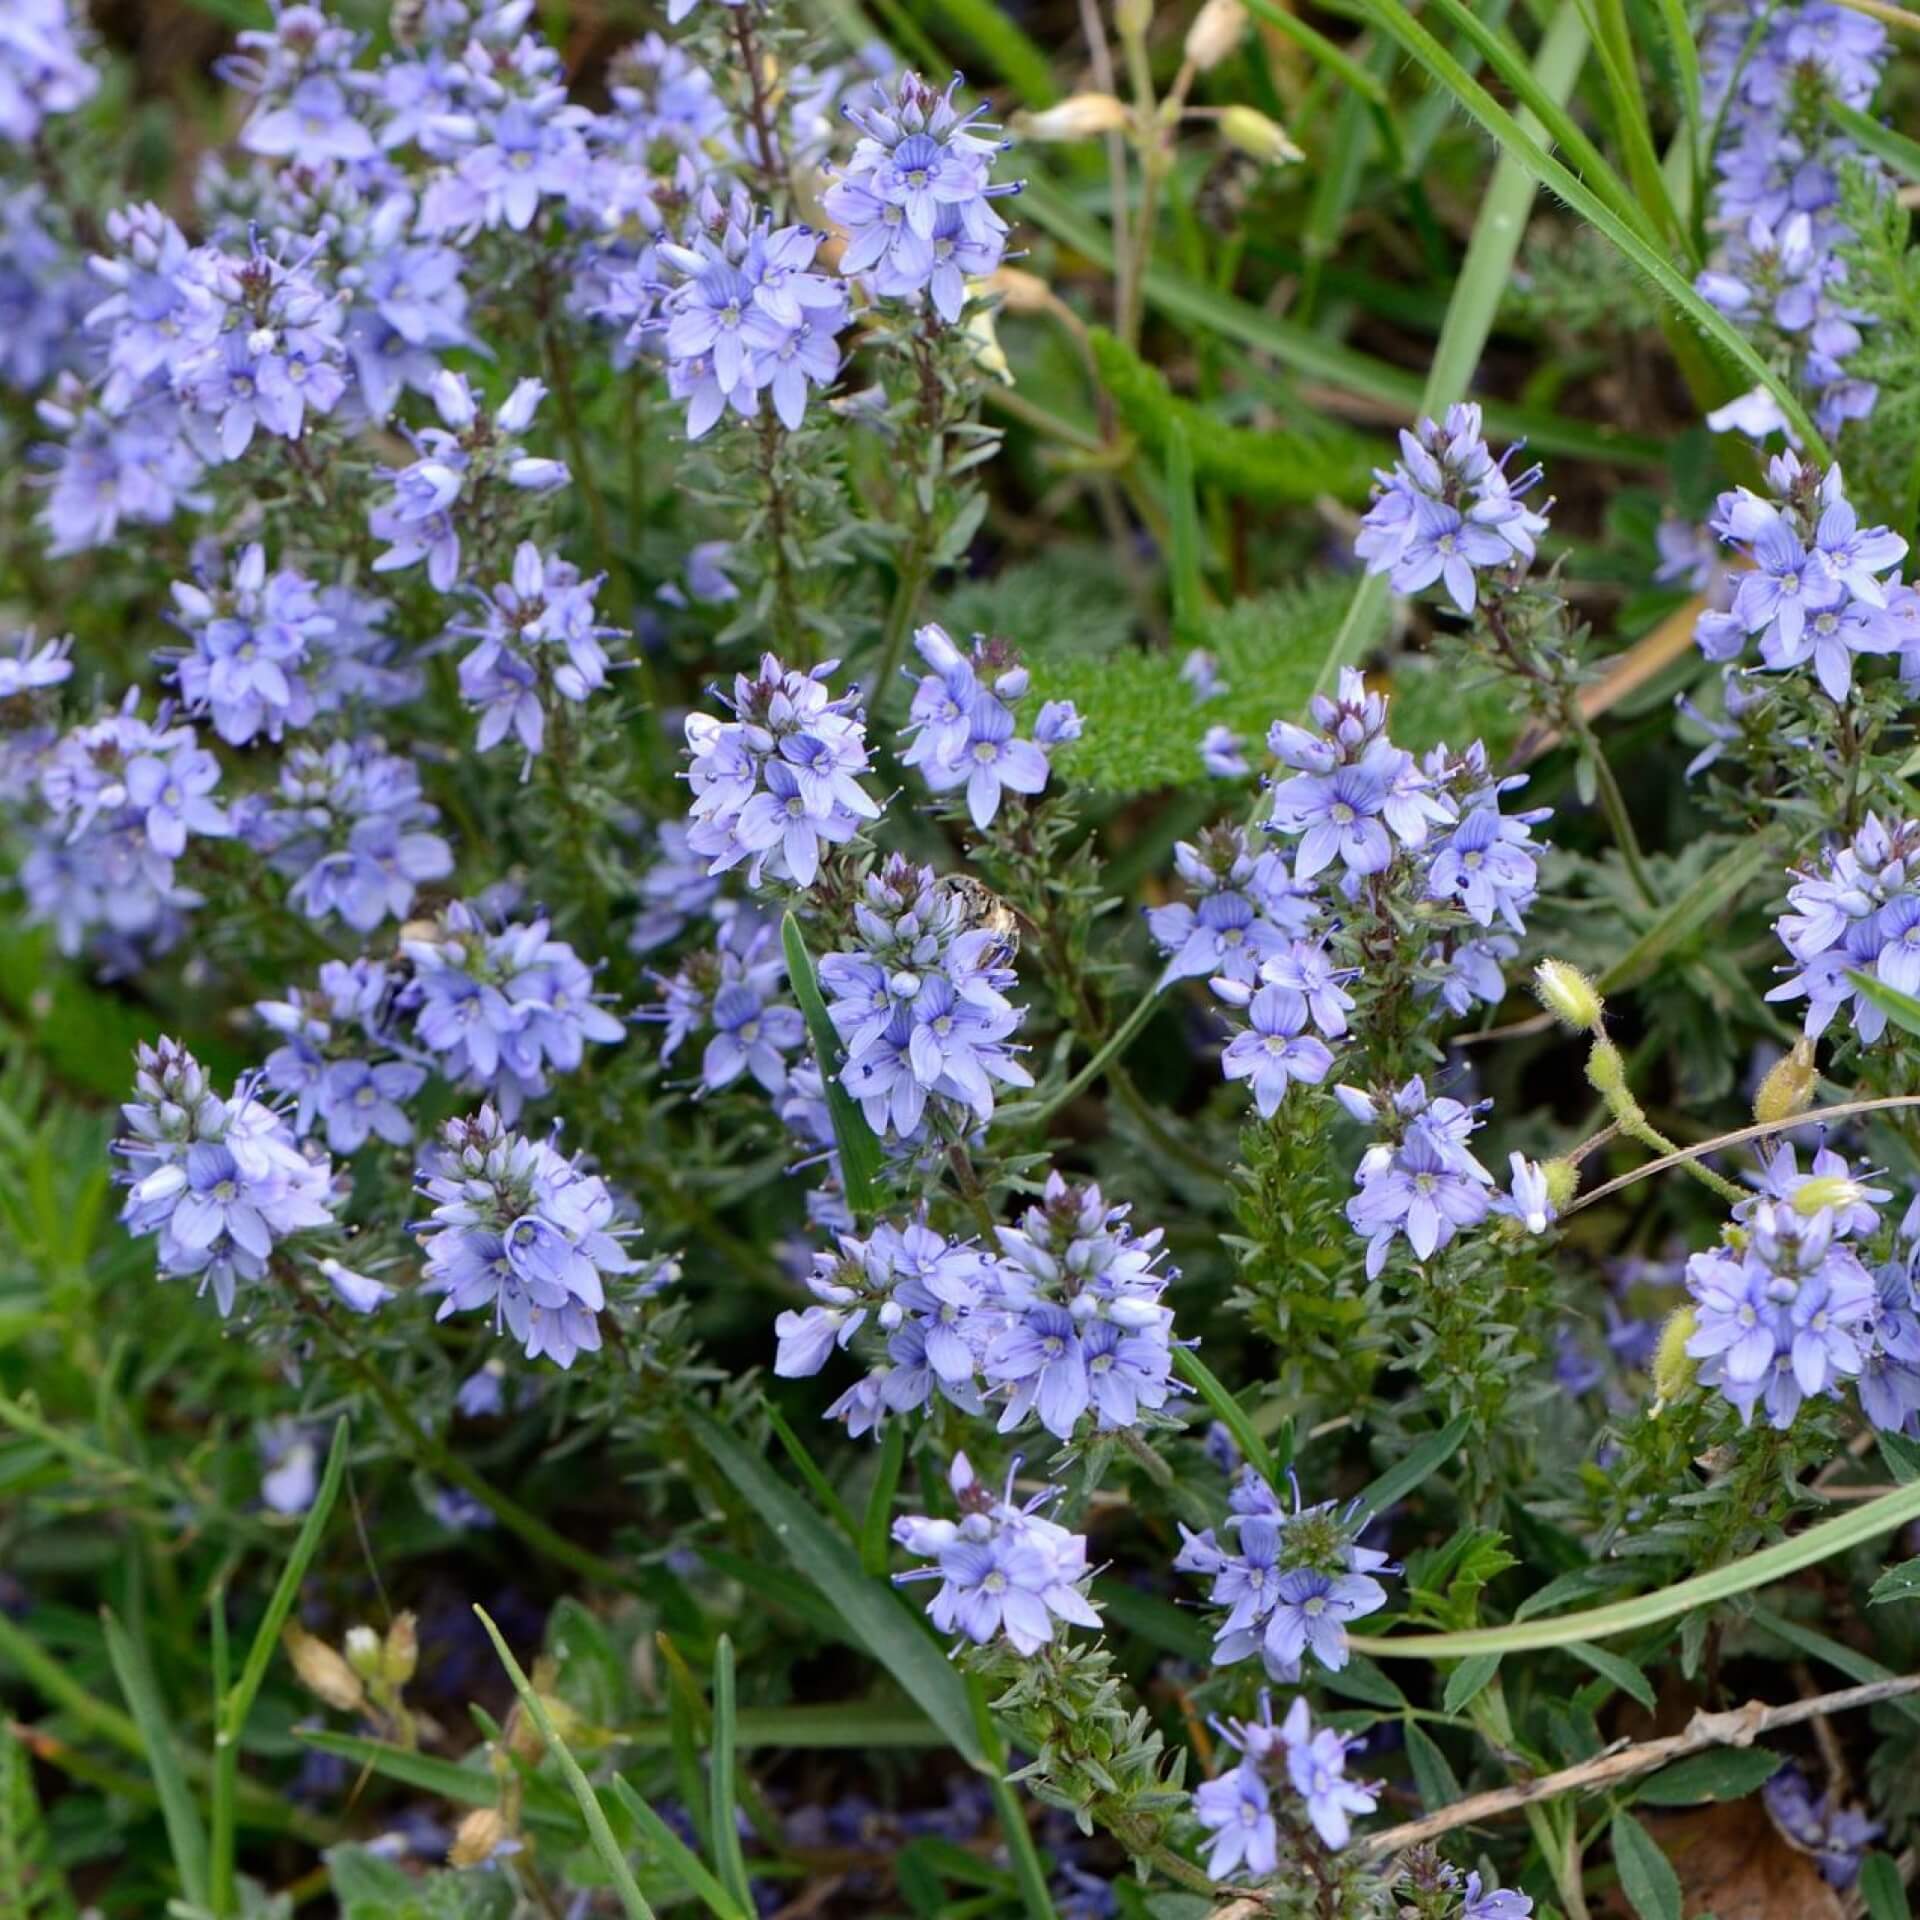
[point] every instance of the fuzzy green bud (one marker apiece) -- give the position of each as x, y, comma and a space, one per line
1673, 1368
1788, 1088
363, 1650
1606, 1070
1568, 995
1563, 1182
401, 1654
1248, 129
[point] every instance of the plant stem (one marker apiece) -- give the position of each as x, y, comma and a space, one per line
1612, 801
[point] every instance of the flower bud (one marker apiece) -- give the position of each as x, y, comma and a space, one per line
1563, 1182
363, 1652
321, 1671
1078, 117
1788, 1088
1673, 1367
1606, 1069
1218, 28
1252, 132
1568, 995
481, 1835
1133, 18
402, 1652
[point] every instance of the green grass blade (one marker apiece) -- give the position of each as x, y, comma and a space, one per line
1227, 1410
1004, 45
677, 1857
725, 1824
1900, 153
1515, 141
595, 1815
875, 1616
877, 1528
1620, 67
1901, 1008
186, 1832
237, 1702
1183, 517
859, 1151
823, 1489
1028, 1873
1426, 1459
1482, 284
1868, 1521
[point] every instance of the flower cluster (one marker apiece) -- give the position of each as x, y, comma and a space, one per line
521, 1230
1857, 912
43, 67
325, 1063
125, 798
748, 316
1818, 589
447, 488
222, 1182
1290, 1584
1421, 1181
537, 640
1448, 511
962, 724
916, 198
1308, 1764
1065, 1322
781, 778
1786, 1309
733, 990
921, 1005
497, 1009
352, 833
1246, 910
1770, 76
1002, 1568
250, 640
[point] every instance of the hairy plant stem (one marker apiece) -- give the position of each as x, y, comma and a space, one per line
787, 624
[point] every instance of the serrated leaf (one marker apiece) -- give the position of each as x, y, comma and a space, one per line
1897, 1583
1647, 1877
1727, 1773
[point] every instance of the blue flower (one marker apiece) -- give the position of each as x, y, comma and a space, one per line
1275, 1050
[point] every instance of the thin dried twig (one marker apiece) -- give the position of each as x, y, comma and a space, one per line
1737, 1727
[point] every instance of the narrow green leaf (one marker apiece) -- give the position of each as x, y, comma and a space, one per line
1427, 1458
1901, 1008
1900, 153
1868, 1521
1700, 905
1882, 1889
1897, 1583
1727, 1773
1362, 1680
1622, 1673
1901, 1455
1006, 47
796, 1451
876, 1530
1858, 1667
1431, 1774
1647, 1877
859, 1151
1519, 144
727, 1851
1183, 517
1230, 1413
1468, 1681
595, 1815
464, 1786
1029, 1874
873, 1613
677, 1857
186, 1833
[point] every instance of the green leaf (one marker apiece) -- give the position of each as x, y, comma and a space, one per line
1727, 1773
873, 1613
1701, 904
877, 1528
1427, 1458
605, 1846
1431, 1773
1900, 153
1647, 1877
32, 1886
444, 1779
677, 1857
1185, 566
593, 1676
1230, 1413
1518, 144
366, 1885
1622, 1673
859, 1151
1901, 1455
1362, 1680
1284, 466
723, 1822
1856, 1666
186, 1832
1005, 45
1897, 1583
1468, 1681
1901, 1008
1883, 1890
1868, 1521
